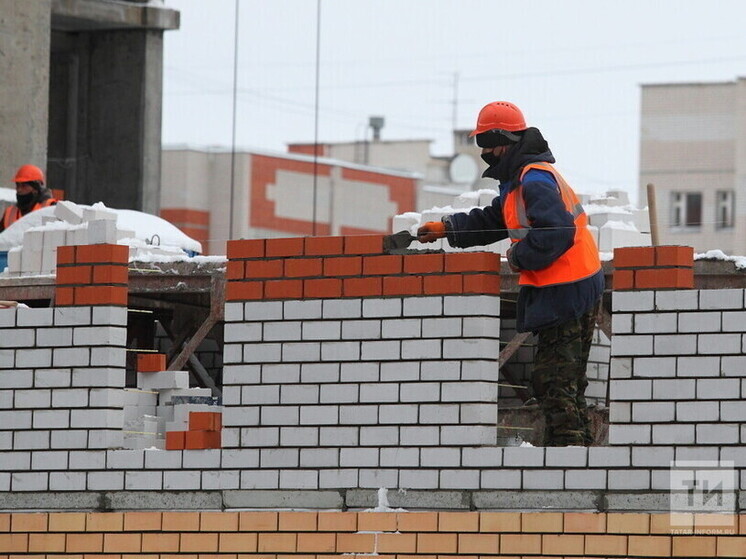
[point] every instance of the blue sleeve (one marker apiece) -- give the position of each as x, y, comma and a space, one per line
481, 226
552, 230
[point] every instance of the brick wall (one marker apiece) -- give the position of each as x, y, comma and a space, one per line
327, 534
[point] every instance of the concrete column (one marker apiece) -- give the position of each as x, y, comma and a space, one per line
24, 86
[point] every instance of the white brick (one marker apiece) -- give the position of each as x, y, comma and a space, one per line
32, 481
70, 398
353, 372
677, 389
69, 212
631, 345
731, 366
719, 343
322, 330
318, 458
19, 379
653, 412
71, 316
655, 322
733, 411
232, 353
261, 395
481, 327
134, 481
339, 478
543, 479
420, 349
339, 436
299, 479
358, 415
386, 436
361, 329
418, 479
106, 438
202, 459
469, 392
125, 459
16, 338
319, 415
629, 434
628, 479
423, 306
51, 419
566, 457
376, 478
400, 457
471, 305
717, 433
673, 434
697, 411
345, 308
340, 351
471, 348
358, 457
459, 479
698, 366
262, 310
440, 370
163, 380
626, 301
71, 357
524, 457
675, 344
242, 332
233, 312
468, 435
67, 481
655, 367
299, 436
285, 373
96, 418
258, 479
301, 351
677, 300
278, 458
718, 389
320, 372
23, 440
239, 458
69, 439
631, 389
585, 479
380, 350
105, 481
398, 414
444, 327
500, 479
657, 456
262, 353
620, 412
108, 357
100, 231
306, 394
34, 317
401, 371
379, 392
721, 299
7, 359
699, 322
481, 457
174, 480
734, 321
302, 310
604, 457
479, 414
279, 415
241, 416
698, 453
242, 374
54, 337
34, 398
336, 394
98, 377
621, 323
8, 317
260, 436
87, 460
282, 331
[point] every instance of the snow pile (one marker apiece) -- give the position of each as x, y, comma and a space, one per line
739, 261
32, 241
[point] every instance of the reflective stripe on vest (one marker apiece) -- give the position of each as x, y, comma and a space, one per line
13, 214
579, 261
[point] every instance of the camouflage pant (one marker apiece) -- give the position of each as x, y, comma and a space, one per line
560, 381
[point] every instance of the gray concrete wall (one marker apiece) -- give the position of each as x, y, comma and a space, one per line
24, 86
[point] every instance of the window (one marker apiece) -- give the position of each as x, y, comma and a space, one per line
724, 204
686, 209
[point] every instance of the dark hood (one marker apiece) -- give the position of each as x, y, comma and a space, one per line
531, 148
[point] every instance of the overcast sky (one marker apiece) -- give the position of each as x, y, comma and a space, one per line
575, 67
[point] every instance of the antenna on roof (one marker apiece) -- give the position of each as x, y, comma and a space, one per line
376, 123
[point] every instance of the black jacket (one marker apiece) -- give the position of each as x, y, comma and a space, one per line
552, 233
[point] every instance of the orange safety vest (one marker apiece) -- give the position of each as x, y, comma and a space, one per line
579, 261
13, 214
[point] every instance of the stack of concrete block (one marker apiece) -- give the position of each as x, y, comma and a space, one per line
169, 406
71, 225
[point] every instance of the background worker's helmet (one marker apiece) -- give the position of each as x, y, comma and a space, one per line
29, 173
500, 115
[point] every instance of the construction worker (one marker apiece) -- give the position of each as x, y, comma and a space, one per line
552, 251
31, 195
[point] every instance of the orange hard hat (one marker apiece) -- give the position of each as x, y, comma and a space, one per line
29, 173
499, 115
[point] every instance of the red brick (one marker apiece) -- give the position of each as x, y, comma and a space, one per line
151, 362
66, 255
665, 278
362, 287
235, 270
349, 266
382, 265
302, 267
101, 295
205, 421
244, 290
110, 274
175, 440
74, 275
363, 244
403, 285
623, 280
424, 263
488, 284
322, 288
64, 296
245, 248
447, 284
264, 268
103, 254
202, 439
674, 256
472, 262
291, 246
283, 289
323, 246
634, 257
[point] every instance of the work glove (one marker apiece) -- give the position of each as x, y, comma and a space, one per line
510, 257
431, 232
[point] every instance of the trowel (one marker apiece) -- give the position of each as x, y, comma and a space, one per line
398, 241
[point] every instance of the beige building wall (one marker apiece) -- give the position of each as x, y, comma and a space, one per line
692, 148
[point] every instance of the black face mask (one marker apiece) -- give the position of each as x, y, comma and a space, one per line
490, 158
24, 200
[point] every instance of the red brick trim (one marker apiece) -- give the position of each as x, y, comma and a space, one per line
661, 267
92, 275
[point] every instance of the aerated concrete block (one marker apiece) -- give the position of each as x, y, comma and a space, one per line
163, 380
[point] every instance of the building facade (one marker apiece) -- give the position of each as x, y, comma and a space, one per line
693, 150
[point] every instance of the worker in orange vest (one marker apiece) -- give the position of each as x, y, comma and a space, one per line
31, 195
554, 254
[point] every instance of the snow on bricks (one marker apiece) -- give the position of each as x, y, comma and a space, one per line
338, 267
661, 267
